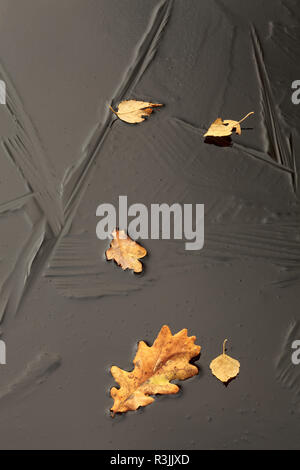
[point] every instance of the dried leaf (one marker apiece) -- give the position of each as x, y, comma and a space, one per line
225, 367
225, 128
154, 368
126, 252
134, 111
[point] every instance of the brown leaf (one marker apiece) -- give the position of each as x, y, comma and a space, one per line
133, 111
154, 368
225, 128
225, 367
126, 252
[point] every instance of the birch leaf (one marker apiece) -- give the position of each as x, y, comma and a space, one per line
154, 368
225, 367
134, 111
126, 252
225, 128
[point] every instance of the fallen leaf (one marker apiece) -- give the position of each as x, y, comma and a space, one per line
154, 368
225, 128
225, 367
134, 111
126, 252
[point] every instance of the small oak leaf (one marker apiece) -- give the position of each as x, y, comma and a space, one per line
220, 128
154, 368
225, 367
133, 111
126, 252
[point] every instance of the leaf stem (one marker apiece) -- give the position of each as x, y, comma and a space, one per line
224, 345
113, 110
249, 114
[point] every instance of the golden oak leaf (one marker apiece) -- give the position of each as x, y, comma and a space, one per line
225, 367
225, 128
133, 111
126, 252
154, 368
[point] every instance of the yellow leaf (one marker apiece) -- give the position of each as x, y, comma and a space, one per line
225, 367
134, 111
154, 368
225, 128
126, 252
